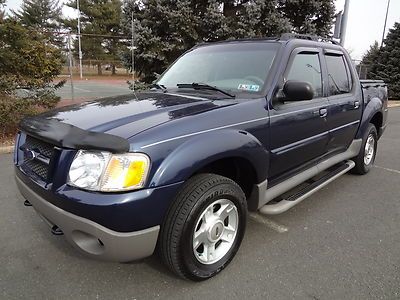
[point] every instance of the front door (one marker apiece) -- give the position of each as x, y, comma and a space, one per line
298, 130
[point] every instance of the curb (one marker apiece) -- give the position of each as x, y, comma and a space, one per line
393, 105
6, 149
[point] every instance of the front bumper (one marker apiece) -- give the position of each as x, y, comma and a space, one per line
92, 238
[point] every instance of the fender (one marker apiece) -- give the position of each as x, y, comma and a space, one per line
201, 150
373, 106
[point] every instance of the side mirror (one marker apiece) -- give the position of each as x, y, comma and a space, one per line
298, 91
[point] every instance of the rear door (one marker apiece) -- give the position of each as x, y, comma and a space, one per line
298, 130
344, 111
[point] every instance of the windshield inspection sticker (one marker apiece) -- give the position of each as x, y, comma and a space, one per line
249, 87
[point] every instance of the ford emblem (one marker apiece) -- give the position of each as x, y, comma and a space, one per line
29, 154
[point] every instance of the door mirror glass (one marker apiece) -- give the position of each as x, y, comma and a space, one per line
298, 91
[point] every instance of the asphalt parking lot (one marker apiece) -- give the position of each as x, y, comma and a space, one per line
341, 243
92, 89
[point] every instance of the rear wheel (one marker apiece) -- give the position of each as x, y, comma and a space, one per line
204, 227
365, 159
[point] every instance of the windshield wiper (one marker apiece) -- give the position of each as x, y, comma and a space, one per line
204, 86
159, 86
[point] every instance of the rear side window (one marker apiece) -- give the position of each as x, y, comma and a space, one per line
306, 67
339, 79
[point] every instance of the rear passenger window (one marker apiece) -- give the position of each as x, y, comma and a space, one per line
339, 78
306, 67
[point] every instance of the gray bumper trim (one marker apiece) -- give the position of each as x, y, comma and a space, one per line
85, 234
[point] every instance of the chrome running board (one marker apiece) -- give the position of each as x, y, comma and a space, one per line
291, 200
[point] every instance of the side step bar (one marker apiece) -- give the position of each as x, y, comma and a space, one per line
296, 198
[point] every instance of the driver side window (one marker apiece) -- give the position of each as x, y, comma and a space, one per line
306, 67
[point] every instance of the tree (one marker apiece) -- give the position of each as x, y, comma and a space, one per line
164, 29
370, 58
42, 15
27, 61
384, 62
100, 27
2, 12
39, 14
309, 16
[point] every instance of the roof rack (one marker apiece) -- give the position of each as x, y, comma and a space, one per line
315, 38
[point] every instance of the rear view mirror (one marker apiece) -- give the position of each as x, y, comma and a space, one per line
298, 91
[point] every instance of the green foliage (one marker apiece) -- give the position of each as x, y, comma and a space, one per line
164, 29
2, 12
40, 14
26, 58
309, 16
372, 54
139, 86
27, 61
384, 63
13, 109
98, 17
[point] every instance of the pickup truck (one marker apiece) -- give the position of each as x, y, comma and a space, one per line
230, 127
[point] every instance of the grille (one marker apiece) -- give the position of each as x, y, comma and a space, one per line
43, 148
37, 166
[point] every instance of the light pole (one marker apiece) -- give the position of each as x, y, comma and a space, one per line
343, 26
384, 26
133, 53
70, 65
79, 39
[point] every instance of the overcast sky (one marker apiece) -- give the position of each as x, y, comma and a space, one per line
365, 25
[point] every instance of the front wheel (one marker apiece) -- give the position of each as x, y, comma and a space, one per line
204, 227
365, 159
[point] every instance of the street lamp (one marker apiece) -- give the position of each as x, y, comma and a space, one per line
384, 26
343, 24
79, 39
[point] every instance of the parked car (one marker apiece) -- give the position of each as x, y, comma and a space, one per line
235, 126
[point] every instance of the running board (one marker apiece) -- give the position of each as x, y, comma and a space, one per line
296, 198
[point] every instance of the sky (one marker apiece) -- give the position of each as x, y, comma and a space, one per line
365, 24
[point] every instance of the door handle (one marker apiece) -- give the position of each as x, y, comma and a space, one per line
356, 104
323, 112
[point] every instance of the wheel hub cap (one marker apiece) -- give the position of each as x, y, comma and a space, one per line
369, 150
215, 231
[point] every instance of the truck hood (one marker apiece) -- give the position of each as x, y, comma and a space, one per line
128, 115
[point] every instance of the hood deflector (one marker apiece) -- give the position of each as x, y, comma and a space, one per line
69, 136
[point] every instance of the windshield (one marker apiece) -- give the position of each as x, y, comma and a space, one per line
236, 67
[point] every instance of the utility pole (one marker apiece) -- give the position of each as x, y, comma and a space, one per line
70, 65
344, 22
133, 54
384, 26
79, 39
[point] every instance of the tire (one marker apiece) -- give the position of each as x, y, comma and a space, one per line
365, 159
195, 213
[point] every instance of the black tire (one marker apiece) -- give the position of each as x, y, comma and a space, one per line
176, 236
361, 167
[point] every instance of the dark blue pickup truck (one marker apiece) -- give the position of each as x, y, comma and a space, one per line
231, 127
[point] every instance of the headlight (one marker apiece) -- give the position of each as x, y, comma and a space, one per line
106, 172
